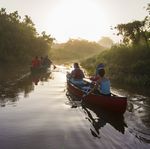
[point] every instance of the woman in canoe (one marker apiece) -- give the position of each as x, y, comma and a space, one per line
101, 84
77, 75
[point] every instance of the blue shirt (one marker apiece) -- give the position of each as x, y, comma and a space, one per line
105, 86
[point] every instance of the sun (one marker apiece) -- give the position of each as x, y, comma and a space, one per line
77, 19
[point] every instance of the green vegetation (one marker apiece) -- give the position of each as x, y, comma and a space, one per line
19, 41
74, 50
128, 62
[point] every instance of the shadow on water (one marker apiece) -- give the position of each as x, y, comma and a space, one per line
137, 114
97, 117
10, 90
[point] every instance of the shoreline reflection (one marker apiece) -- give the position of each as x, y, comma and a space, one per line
10, 92
99, 118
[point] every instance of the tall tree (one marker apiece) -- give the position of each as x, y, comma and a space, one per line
19, 40
135, 32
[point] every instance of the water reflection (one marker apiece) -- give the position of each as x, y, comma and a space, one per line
138, 117
9, 92
138, 105
36, 78
97, 117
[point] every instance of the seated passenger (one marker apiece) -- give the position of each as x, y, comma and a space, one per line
77, 75
103, 83
96, 76
47, 62
36, 62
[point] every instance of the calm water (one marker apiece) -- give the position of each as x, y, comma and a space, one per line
36, 114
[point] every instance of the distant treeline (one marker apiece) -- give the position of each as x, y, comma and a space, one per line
129, 61
19, 40
74, 50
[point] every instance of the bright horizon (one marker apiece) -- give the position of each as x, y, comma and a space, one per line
85, 19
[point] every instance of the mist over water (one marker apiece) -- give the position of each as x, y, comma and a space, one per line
35, 113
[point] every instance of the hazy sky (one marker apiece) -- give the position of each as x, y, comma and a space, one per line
87, 19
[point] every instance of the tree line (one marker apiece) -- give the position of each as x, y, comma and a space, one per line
129, 61
19, 40
74, 50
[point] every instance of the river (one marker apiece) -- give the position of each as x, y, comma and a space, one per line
35, 113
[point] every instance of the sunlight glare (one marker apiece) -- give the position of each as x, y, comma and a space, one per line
80, 18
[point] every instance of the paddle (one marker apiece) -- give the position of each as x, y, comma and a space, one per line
88, 90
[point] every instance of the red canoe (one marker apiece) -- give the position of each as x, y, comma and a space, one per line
112, 103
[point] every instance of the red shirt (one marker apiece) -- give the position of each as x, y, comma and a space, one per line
35, 63
77, 74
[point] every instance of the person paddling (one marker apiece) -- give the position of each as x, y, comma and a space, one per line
96, 76
101, 85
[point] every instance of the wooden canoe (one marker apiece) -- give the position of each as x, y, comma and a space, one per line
111, 103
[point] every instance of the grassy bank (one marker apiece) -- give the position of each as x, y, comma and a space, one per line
126, 65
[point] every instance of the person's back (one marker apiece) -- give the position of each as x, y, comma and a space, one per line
104, 83
47, 62
35, 62
105, 86
77, 75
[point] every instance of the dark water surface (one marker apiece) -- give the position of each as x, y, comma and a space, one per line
35, 113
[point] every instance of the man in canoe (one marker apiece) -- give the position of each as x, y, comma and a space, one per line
77, 75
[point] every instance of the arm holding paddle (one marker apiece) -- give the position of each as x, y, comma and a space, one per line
93, 85
102, 84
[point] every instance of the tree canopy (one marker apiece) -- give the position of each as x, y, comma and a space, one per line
19, 40
129, 61
136, 32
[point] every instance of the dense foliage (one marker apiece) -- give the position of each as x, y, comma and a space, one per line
128, 62
74, 50
19, 41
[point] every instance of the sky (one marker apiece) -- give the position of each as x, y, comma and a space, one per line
73, 19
